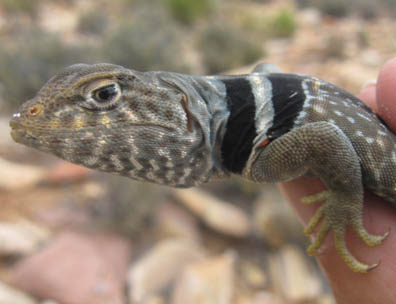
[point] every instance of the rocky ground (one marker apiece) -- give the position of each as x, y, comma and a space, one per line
65, 237
72, 236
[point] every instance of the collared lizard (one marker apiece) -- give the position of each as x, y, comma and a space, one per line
181, 130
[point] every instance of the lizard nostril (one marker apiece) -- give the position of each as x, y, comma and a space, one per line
35, 110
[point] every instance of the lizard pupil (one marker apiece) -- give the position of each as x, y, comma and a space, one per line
106, 94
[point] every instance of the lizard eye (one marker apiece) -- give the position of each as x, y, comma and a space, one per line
105, 94
104, 97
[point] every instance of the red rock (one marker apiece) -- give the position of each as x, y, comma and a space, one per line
60, 217
76, 268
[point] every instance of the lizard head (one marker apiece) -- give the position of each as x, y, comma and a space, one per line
116, 120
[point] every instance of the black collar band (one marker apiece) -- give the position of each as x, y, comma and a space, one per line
240, 129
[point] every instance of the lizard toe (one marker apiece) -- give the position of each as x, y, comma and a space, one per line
318, 197
318, 241
370, 239
348, 258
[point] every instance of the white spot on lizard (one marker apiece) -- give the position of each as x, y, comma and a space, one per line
394, 156
380, 142
134, 162
364, 116
91, 161
346, 104
116, 162
351, 119
154, 164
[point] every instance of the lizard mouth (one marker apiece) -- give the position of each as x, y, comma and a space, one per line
18, 132
16, 135
15, 129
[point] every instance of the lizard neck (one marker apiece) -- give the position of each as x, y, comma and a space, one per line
208, 108
261, 107
235, 115
251, 113
241, 113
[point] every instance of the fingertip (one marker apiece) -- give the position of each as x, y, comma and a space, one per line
386, 93
368, 95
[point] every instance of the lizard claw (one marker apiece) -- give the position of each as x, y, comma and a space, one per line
331, 218
348, 258
370, 239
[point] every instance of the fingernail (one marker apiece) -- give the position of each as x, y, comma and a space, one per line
369, 83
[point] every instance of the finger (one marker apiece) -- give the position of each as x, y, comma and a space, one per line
296, 189
369, 95
350, 287
386, 93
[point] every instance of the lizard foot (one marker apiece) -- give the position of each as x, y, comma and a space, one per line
333, 216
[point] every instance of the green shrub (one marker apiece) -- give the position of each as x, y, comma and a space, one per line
284, 24
224, 48
187, 11
19, 6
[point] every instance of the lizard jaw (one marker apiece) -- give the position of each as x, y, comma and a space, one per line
19, 133
16, 133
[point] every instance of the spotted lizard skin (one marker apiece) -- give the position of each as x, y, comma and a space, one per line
181, 130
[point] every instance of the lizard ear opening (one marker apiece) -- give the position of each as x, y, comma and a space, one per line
183, 101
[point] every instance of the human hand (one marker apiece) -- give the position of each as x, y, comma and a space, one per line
379, 285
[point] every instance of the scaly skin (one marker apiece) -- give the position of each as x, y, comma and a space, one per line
172, 129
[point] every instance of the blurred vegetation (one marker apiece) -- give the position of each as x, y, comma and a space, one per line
224, 47
175, 35
143, 35
335, 47
33, 58
368, 9
29, 7
93, 23
363, 39
284, 24
188, 11
19, 6
138, 43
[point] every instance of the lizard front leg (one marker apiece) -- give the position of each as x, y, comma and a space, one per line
323, 150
